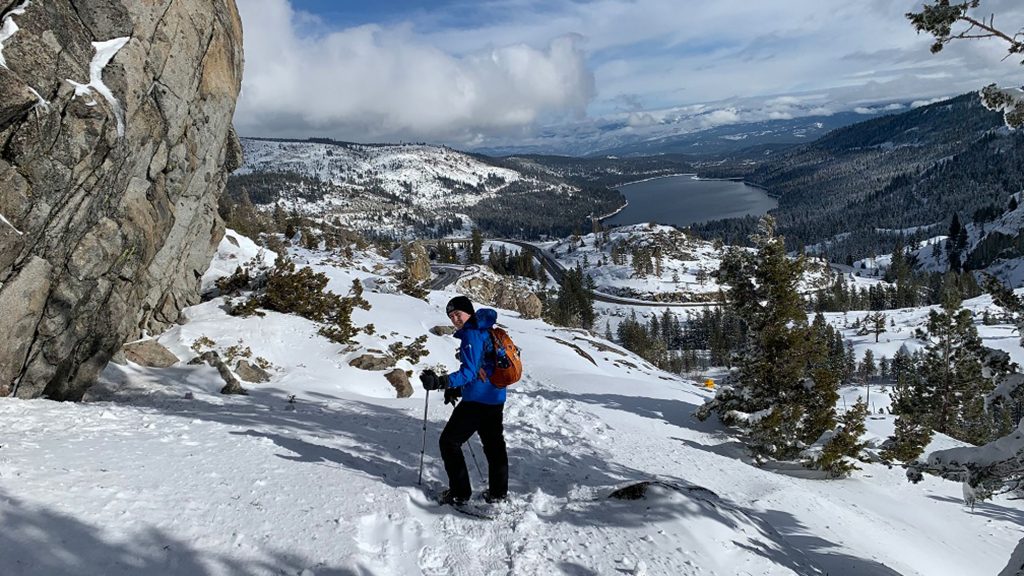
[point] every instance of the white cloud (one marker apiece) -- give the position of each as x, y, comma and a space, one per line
919, 103
720, 118
372, 82
532, 64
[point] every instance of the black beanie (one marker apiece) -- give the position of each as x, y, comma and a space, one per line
459, 303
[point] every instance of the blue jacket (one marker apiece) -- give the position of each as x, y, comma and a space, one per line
475, 340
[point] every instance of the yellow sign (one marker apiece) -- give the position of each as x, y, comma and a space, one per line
709, 384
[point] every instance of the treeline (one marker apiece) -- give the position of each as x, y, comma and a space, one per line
709, 338
893, 172
265, 188
521, 211
602, 172
907, 287
572, 304
522, 263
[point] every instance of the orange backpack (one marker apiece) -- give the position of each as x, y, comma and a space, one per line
508, 367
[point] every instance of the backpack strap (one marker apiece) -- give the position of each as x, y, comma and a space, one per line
493, 347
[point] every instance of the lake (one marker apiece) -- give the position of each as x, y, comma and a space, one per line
684, 200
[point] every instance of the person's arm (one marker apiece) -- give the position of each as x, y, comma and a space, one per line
472, 352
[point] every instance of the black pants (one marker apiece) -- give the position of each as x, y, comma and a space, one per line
486, 420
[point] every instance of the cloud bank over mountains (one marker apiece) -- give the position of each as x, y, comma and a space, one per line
508, 72
375, 83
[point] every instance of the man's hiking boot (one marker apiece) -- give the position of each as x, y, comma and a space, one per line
448, 497
495, 498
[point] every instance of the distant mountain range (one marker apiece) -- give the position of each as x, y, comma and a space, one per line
692, 132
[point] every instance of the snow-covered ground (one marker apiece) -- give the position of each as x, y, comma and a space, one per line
315, 472
416, 172
687, 262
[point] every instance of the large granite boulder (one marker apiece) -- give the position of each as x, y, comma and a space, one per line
115, 142
416, 261
489, 289
149, 353
372, 362
399, 379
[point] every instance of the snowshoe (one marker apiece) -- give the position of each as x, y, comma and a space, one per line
448, 497
494, 499
460, 505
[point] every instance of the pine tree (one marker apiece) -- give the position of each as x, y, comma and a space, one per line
476, 247
669, 325
784, 374
909, 403
844, 445
874, 323
952, 369
849, 362
868, 368
948, 21
822, 372
279, 217
413, 255
573, 305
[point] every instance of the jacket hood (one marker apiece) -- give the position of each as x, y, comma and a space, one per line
483, 319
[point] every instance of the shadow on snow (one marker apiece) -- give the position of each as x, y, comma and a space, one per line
36, 541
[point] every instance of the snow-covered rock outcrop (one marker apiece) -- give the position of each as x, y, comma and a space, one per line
116, 123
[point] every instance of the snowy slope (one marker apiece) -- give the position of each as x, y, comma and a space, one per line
414, 172
159, 474
930, 254
684, 257
400, 191
688, 264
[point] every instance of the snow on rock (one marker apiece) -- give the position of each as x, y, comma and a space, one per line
105, 51
8, 223
41, 103
8, 28
233, 251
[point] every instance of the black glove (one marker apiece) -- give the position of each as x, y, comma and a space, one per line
452, 395
458, 354
432, 381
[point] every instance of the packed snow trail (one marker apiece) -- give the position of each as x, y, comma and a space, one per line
257, 485
212, 485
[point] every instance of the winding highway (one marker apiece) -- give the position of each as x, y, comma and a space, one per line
447, 274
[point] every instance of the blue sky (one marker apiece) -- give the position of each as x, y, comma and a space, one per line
478, 73
451, 13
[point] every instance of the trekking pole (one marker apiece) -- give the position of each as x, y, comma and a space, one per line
426, 400
475, 461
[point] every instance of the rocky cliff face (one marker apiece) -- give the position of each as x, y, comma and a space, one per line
115, 142
488, 289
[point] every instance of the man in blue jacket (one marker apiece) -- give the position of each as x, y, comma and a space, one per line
481, 410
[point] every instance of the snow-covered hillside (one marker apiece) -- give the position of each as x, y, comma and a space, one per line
686, 271
420, 174
315, 472
404, 191
991, 243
